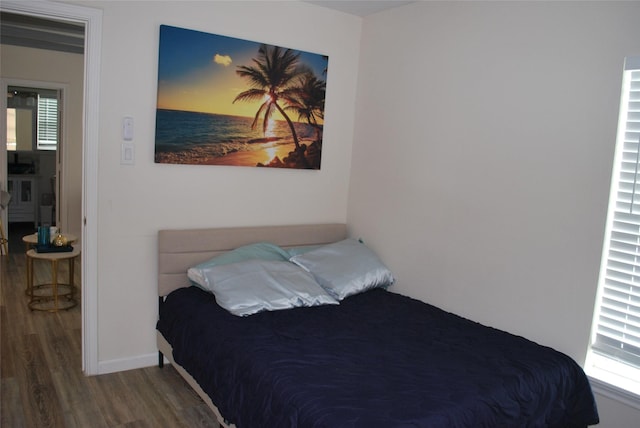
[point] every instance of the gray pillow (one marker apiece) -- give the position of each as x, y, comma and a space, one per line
345, 268
252, 286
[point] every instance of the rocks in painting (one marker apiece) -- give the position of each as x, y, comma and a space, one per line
275, 163
314, 154
310, 153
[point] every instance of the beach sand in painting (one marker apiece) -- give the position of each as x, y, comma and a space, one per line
263, 157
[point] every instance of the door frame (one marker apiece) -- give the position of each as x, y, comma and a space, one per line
61, 218
92, 20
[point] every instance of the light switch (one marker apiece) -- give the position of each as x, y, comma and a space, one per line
127, 128
127, 154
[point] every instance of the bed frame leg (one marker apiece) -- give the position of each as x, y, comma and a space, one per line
160, 356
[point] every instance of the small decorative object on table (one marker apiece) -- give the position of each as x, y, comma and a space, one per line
60, 240
56, 243
43, 235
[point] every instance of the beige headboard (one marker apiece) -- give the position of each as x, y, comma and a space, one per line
178, 250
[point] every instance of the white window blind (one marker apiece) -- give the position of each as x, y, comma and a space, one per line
617, 318
47, 121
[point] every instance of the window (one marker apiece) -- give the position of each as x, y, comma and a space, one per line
32, 119
47, 122
614, 356
11, 129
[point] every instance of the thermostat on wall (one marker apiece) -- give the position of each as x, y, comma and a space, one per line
127, 128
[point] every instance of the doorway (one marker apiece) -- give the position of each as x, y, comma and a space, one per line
91, 19
42, 59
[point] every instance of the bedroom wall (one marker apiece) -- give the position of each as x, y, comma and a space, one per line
135, 201
484, 141
65, 68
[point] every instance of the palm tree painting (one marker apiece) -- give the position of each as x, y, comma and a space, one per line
227, 101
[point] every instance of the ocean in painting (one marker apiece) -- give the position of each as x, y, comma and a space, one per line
218, 135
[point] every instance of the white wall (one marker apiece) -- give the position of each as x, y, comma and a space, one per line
60, 68
483, 144
482, 157
136, 201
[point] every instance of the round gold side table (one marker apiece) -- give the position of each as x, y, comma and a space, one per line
30, 242
53, 296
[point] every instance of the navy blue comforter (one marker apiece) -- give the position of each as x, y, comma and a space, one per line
378, 359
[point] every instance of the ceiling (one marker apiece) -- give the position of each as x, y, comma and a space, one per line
35, 32
360, 7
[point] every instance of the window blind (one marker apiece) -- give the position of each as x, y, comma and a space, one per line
47, 121
617, 333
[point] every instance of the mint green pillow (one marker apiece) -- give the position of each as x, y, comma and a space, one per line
252, 286
259, 251
294, 251
345, 268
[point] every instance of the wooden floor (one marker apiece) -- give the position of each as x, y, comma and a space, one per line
42, 384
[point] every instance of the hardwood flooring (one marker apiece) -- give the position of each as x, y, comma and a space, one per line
42, 384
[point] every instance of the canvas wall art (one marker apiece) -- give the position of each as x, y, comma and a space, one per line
228, 101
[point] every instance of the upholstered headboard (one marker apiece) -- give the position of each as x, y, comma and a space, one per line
179, 249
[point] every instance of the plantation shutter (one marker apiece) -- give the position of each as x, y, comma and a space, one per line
47, 120
618, 321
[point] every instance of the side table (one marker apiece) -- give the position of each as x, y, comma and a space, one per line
30, 242
54, 296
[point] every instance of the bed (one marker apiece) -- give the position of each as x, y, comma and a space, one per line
376, 359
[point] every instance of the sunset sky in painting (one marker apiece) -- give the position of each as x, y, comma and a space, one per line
197, 71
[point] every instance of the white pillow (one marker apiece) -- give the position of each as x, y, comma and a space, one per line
252, 286
345, 268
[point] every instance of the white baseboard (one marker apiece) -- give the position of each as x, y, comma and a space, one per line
124, 364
